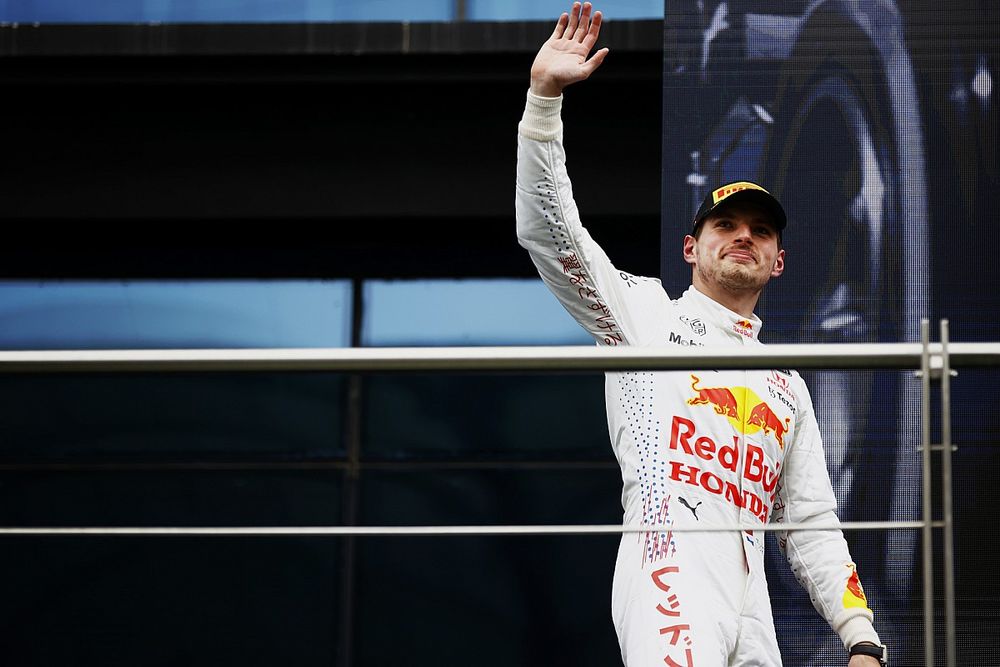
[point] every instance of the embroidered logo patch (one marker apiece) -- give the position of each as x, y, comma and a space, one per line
696, 325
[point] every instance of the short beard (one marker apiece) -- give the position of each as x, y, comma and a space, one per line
736, 278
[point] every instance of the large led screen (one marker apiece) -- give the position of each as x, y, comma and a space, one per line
875, 124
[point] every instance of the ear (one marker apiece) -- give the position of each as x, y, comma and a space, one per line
690, 244
779, 264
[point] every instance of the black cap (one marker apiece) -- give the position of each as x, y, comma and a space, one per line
742, 191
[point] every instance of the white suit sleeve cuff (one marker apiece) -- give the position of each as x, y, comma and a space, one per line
857, 629
541, 120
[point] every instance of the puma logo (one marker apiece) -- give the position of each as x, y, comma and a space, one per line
694, 510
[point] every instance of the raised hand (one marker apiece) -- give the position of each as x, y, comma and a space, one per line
562, 60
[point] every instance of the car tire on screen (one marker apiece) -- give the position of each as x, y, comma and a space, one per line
837, 164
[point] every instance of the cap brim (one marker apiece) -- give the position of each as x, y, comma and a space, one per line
763, 199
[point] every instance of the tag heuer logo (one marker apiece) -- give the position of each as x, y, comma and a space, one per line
696, 325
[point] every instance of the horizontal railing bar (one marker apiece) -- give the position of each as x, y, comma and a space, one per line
938, 448
307, 466
401, 531
569, 358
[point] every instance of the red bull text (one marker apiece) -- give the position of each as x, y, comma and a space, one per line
755, 469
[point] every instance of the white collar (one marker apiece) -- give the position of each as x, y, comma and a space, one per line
727, 320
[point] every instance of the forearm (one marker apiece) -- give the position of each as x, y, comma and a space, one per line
573, 266
820, 560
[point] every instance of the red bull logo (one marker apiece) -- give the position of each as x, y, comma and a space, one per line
763, 416
854, 594
746, 324
720, 398
747, 412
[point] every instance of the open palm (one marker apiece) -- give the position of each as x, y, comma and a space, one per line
562, 60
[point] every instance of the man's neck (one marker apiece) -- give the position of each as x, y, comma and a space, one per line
738, 302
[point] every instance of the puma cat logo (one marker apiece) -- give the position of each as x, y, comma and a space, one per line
694, 510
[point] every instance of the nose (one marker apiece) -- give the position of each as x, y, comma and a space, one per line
743, 233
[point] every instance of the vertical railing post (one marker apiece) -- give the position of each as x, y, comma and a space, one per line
946, 485
925, 439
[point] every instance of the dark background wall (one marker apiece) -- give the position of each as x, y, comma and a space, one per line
336, 150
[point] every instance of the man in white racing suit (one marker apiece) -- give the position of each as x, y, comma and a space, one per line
696, 449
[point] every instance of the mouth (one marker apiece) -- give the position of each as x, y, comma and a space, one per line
743, 256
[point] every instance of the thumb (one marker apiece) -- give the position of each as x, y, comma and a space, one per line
595, 61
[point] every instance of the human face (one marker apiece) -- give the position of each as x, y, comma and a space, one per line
736, 251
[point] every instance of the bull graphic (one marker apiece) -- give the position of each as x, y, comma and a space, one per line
854, 585
720, 398
763, 416
854, 594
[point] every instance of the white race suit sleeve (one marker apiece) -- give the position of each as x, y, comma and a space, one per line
604, 300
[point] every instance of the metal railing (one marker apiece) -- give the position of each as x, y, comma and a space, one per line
516, 359
935, 361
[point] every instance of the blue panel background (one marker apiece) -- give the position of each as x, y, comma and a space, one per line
277, 11
223, 11
178, 314
465, 312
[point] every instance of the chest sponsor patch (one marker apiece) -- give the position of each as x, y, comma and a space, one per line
746, 412
696, 325
721, 469
677, 339
744, 328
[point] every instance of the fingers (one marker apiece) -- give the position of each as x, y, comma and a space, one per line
579, 25
560, 26
574, 20
584, 24
594, 32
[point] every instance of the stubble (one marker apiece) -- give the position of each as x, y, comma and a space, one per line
733, 277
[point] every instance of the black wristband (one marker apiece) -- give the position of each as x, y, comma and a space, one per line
878, 652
